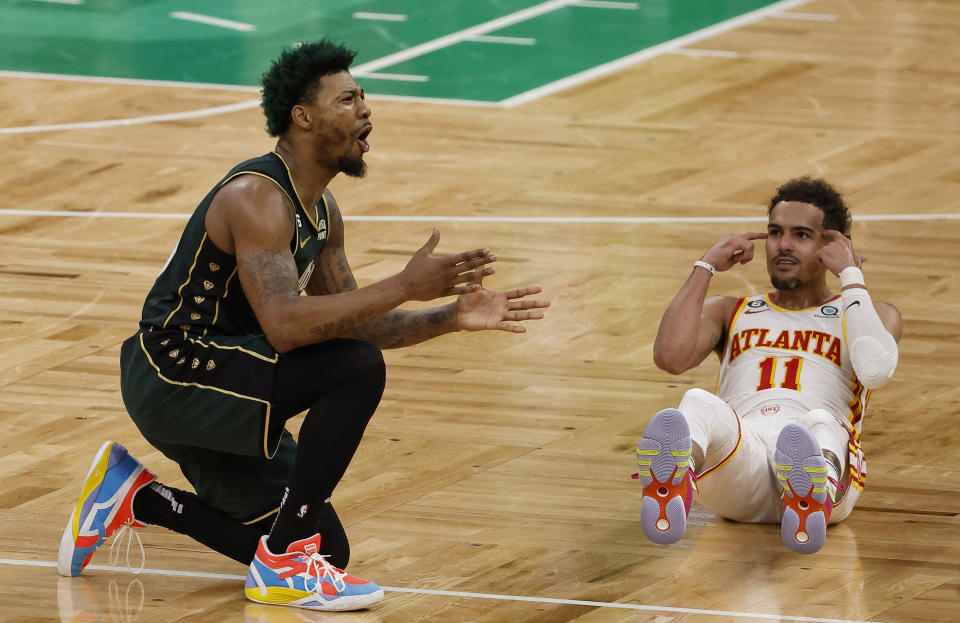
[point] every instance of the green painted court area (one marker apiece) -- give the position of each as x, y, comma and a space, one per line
472, 50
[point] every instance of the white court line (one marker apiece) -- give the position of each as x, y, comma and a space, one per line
461, 594
213, 21
506, 40
600, 4
810, 17
648, 53
110, 123
603, 220
386, 17
128, 81
395, 77
462, 35
702, 52
61, 1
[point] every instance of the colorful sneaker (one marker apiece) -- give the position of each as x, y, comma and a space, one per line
802, 474
106, 503
667, 475
302, 577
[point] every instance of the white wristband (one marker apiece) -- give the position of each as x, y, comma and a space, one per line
702, 264
851, 275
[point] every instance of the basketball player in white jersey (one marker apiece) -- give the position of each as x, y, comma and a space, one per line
780, 439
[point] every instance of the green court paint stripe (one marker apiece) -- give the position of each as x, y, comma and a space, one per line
212, 21
648, 53
462, 35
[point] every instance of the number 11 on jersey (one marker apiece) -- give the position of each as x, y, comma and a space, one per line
791, 380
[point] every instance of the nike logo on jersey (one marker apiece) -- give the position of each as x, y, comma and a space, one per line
851, 305
304, 242
756, 311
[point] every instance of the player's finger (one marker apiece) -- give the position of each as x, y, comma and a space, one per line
861, 259
431, 242
512, 328
523, 315
466, 256
528, 304
755, 235
474, 275
464, 289
521, 292
475, 262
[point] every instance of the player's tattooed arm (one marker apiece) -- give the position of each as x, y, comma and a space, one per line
396, 328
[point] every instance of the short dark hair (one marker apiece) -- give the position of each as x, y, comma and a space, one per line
296, 76
818, 192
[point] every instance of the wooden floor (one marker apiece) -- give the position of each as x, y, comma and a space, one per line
499, 464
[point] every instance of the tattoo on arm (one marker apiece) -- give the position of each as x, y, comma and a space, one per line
400, 328
270, 272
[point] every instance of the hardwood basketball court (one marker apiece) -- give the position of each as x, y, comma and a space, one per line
493, 485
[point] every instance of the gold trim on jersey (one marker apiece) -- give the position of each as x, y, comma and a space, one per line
313, 218
184, 284
240, 348
216, 308
773, 305
261, 517
267, 177
200, 385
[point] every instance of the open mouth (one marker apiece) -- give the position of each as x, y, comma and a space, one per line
362, 138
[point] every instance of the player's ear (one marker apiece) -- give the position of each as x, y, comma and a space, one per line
301, 116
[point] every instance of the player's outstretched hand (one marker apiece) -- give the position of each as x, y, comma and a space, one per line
733, 249
427, 276
483, 309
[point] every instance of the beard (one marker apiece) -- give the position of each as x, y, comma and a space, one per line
790, 283
354, 167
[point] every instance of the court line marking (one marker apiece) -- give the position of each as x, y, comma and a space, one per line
209, 20
442, 593
703, 52
61, 1
7, 73
505, 40
110, 123
386, 17
810, 17
614, 66
396, 77
495, 219
601, 4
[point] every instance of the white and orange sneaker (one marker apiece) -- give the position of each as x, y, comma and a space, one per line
666, 472
105, 504
302, 577
805, 489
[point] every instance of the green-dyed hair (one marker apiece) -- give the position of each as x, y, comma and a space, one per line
296, 76
819, 193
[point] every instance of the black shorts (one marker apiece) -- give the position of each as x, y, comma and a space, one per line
205, 403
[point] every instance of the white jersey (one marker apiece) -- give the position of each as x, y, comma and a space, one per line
780, 359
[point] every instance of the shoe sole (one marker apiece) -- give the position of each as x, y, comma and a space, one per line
799, 461
279, 596
663, 513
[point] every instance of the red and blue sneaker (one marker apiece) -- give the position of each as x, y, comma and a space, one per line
302, 577
105, 504
667, 475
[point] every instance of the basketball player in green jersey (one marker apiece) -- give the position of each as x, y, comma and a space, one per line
229, 349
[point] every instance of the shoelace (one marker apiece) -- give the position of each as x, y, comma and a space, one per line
837, 486
125, 536
319, 568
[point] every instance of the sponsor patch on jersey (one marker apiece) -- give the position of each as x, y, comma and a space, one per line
828, 311
756, 306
